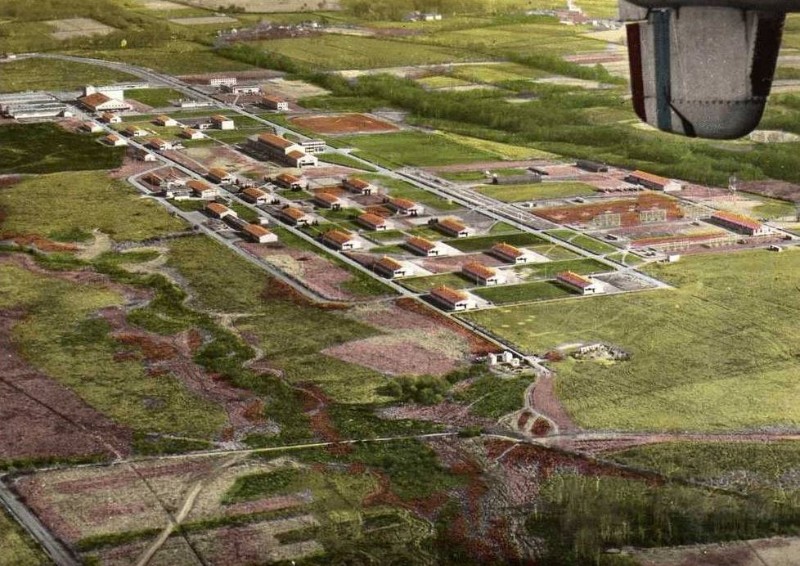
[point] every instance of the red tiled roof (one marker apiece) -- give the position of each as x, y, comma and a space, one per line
389, 263
421, 243
217, 208
357, 183
94, 100
254, 192
507, 250
452, 225
271, 98
287, 178
256, 230
402, 203
296, 154
218, 172
112, 138
574, 279
158, 142
219, 118
338, 236
478, 270
163, 118
738, 219
649, 177
293, 212
326, 198
372, 219
449, 295
198, 185
275, 141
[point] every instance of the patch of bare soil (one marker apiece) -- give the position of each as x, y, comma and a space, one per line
43, 419
775, 189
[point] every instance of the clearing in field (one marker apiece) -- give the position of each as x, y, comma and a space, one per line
704, 356
344, 124
78, 27
537, 191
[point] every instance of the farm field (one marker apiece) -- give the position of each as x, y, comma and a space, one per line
343, 124
692, 366
51, 74
116, 208
344, 160
423, 284
414, 148
337, 52
537, 191
525, 293
46, 148
496, 73
177, 58
274, 6
549, 270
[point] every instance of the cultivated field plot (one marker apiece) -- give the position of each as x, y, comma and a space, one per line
176, 57
204, 20
525, 293
344, 124
337, 52
705, 356
78, 27
261, 6
493, 73
51, 74
537, 191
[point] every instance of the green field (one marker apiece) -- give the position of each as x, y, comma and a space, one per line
46, 148
84, 201
481, 243
331, 52
525, 293
424, 284
536, 191
52, 74
716, 353
176, 57
549, 270
414, 148
401, 189
155, 97
345, 160
17, 547
434, 82
584, 242
496, 73
62, 337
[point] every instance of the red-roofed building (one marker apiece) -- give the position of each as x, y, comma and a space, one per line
91, 127
579, 283
259, 234
255, 196
327, 200
220, 211
451, 299
404, 206
424, 247
372, 221
275, 148
508, 253
454, 227
110, 118
654, 182
341, 240
390, 268
481, 274
165, 120
356, 185
192, 134
201, 189
99, 102
740, 223
115, 140
219, 175
288, 181
294, 216
221, 122
275, 103
158, 144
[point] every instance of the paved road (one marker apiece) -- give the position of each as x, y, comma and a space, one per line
57, 551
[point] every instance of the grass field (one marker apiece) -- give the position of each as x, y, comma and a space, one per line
536, 191
332, 52
17, 546
339, 159
414, 148
501, 150
705, 356
155, 97
402, 189
423, 284
525, 293
85, 201
51, 74
61, 338
479, 243
584, 242
496, 73
46, 148
549, 270
441, 81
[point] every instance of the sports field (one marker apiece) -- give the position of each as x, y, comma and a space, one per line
343, 124
719, 352
517, 193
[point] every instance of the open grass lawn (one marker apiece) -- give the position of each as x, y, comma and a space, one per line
489, 396
52, 74
441, 81
424, 284
17, 546
549, 270
719, 352
61, 337
600, 8
175, 57
46, 148
291, 335
414, 148
524, 293
155, 97
585, 242
554, 252
496, 73
346, 161
499, 149
536, 191
402, 189
480, 243
331, 52
79, 202
626, 258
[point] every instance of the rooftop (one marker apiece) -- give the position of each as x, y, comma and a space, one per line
357, 183
287, 178
254, 192
574, 279
449, 295
507, 250
198, 185
645, 176
275, 141
389, 263
256, 230
372, 219
452, 224
326, 197
739, 219
402, 203
338, 236
94, 100
217, 208
421, 243
478, 269
293, 212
